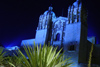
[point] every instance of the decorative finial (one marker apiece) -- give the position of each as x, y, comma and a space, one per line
51, 8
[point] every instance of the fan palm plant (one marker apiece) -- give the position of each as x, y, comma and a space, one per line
44, 56
2, 58
15, 61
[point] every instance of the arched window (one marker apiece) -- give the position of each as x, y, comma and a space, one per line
57, 37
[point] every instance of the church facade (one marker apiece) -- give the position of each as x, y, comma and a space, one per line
68, 32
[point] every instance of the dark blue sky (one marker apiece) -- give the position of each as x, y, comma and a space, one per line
19, 18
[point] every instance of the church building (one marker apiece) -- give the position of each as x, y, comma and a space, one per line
68, 32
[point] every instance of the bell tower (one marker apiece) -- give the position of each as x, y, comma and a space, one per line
44, 29
76, 32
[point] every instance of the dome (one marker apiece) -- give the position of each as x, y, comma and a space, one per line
49, 11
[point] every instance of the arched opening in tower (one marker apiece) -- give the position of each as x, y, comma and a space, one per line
57, 37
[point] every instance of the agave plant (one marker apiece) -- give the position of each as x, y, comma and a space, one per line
45, 56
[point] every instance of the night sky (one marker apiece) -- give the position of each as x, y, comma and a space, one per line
19, 18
